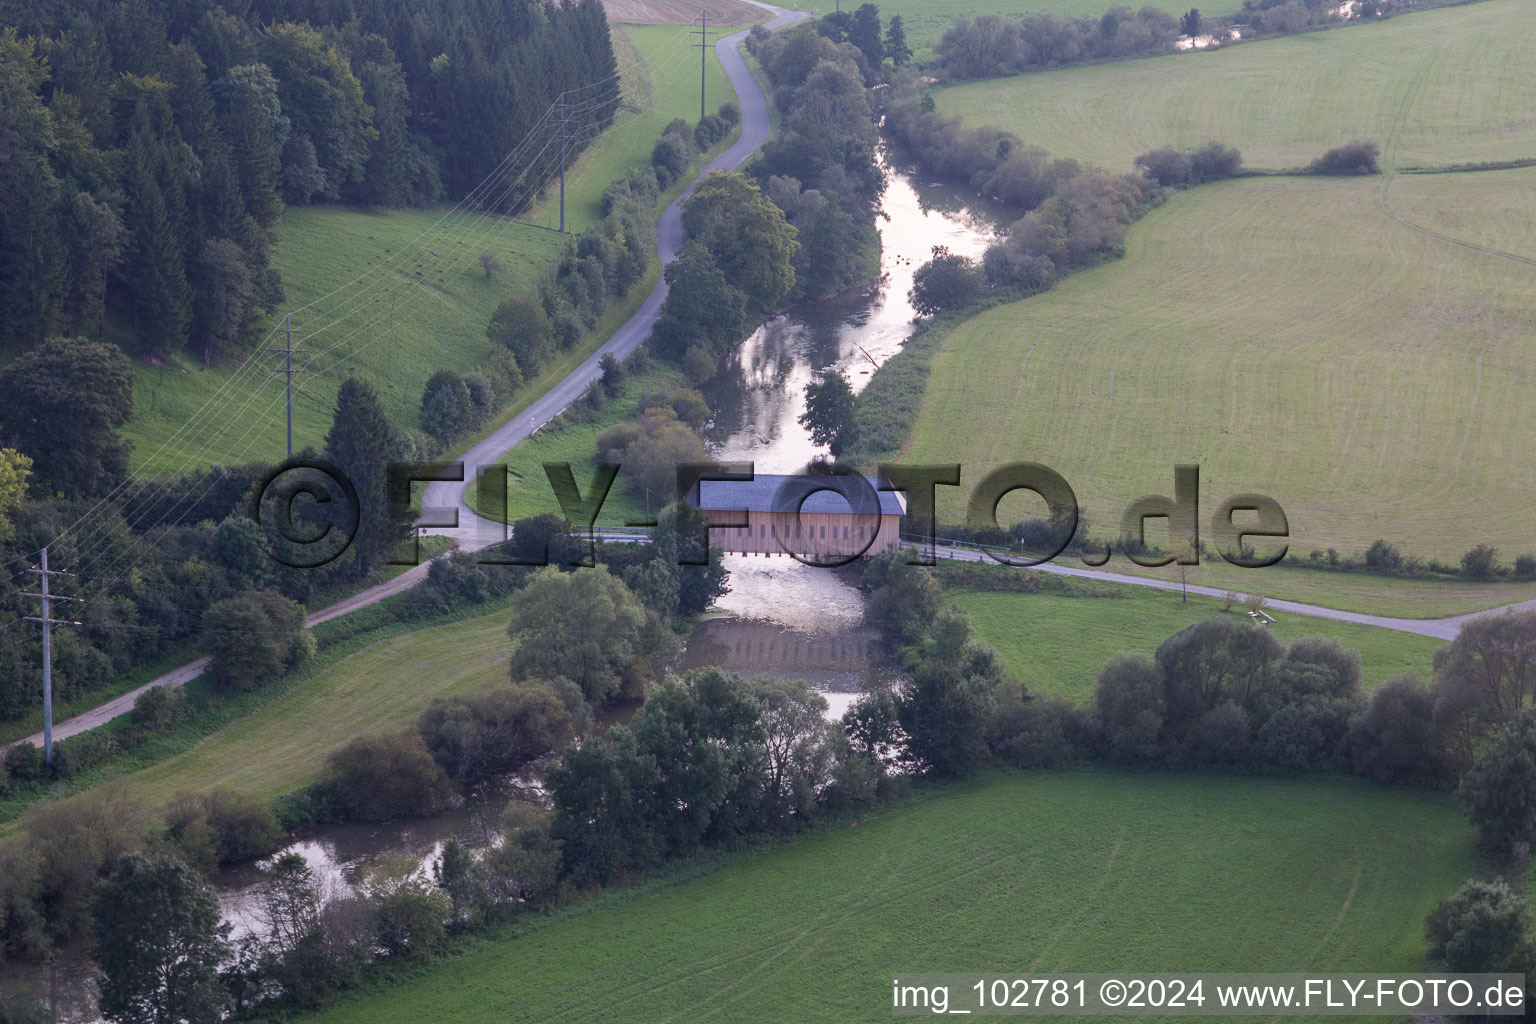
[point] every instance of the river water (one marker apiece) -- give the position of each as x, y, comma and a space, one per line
784, 618
781, 617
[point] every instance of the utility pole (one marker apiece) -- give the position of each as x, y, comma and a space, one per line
48, 621
563, 137
703, 56
288, 352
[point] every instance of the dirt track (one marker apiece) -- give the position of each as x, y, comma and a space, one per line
681, 12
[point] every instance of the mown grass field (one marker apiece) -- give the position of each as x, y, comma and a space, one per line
1451, 85
282, 746
1056, 644
1292, 337
351, 283
660, 81
1037, 873
926, 23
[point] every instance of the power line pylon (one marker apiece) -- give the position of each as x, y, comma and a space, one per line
564, 135
703, 45
44, 574
288, 352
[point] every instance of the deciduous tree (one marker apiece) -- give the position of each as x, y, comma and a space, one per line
159, 943
61, 404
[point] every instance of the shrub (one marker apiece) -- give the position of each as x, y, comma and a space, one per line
669, 159
709, 131
614, 378
482, 393
1393, 738
522, 327
698, 364
1383, 557
447, 406
1525, 567
730, 113
1351, 158
254, 637
74, 842
1167, 166
690, 407
1482, 927
947, 281
24, 762
222, 826
408, 910
1213, 162
386, 775
1037, 732
1480, 563
1222, 737
159, 708
496, 731
526, 866
1128, 702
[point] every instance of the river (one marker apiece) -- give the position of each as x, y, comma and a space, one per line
780, 618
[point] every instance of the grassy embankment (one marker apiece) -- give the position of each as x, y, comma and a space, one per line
371, 672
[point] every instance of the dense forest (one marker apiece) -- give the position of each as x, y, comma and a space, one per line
150, 145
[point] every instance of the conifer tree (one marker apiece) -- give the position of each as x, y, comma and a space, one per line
361, 443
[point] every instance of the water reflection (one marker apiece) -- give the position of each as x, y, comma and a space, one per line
782, 617
758, 402
792, 620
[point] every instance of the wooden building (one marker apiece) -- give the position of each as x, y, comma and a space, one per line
817, 518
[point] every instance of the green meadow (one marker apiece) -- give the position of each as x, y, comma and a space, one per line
1300, 337
659, 65
388, 297
281, 746
1085, 871
1434, 87
1056, 644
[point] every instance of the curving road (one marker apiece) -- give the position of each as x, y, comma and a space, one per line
472, 532
441, 501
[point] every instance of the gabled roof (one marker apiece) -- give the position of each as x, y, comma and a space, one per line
780, 492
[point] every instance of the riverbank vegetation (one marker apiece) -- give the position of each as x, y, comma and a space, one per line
1223, 693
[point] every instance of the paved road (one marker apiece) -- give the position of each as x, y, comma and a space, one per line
104, 713
473, 532
439, 500
1445, 629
